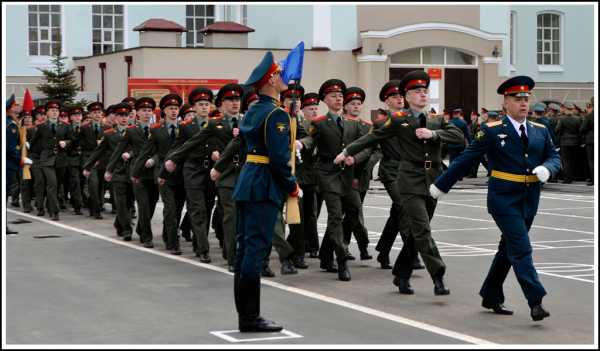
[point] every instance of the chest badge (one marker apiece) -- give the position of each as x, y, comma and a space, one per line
405, 124
502, 136
502, 143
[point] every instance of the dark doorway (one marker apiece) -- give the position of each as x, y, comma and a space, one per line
398, 73
461, 90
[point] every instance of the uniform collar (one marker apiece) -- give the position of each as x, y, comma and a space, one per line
267, 98
518, 125
168, 124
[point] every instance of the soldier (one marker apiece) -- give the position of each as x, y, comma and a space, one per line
567, 130
388, 171
117, 172
192, 154
187, 113
330, 134
50, 141
133, 113
265, 180
39, 118
145, 190
458, 120
521, 154
353, 102
420, 145
308, 178
13, 156
162, 138
587, 134
62, 164
75, 161
90, 138
26, 184
539, 116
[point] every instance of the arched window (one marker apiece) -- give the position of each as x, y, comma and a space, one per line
432, 56
549, 38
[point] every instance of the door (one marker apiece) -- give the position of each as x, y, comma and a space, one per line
460, 90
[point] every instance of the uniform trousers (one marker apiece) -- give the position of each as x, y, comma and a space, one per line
122, 221
173, 197
229, 222
146, 195
196, 208
347, 203
45, 178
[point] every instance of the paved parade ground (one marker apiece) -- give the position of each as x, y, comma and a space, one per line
75, 282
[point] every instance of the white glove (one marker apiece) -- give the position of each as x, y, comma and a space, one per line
125, 156
299, 145
435, 192
340, 158
28, 161
557, 149
299, 156
149, 163
62, 143
542, 173
300, 193
27, 145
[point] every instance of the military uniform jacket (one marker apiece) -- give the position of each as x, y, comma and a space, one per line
547, 122
326, 136
306, 171
106, 145
462, 125
390, 153
265, 131
364, 170
158, 145
75, 150
506, 153
223, 135
132, 141
587, 129
567, 130
45, 143
88, 141
13, 155
412, 176
192, 151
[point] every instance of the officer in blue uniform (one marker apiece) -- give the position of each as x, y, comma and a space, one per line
521, 156
265, 180
13, 155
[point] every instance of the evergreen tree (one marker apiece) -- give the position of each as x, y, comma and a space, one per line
60, 82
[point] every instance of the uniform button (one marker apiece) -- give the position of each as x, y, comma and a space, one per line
426, 154
343, 144
527, 169
526, 155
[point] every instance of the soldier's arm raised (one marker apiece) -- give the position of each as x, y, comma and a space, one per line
96, 154
449, 134
148, 151
181, 152
232, 148
116, 155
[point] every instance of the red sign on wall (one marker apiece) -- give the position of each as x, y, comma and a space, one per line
156, 88
434, 73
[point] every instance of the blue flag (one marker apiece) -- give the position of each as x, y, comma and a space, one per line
292, 64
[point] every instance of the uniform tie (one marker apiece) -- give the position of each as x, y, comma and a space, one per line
76, 130
422, 120
53, 128
146, 132
340, 124
234, 123
172, 133
96, 129
524, 138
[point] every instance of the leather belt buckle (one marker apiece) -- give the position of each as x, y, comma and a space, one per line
427, 164
206, 164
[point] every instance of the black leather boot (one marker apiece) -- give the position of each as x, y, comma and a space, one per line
287, 267
250, 319
438, 286
364, 253
343, 271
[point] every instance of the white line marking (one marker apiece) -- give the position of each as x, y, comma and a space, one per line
538, 212
366, 310
223, 335
583, 275
566, 208
565, 276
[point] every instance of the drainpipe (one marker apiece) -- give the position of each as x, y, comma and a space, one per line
102, 66
129, 60
81, 70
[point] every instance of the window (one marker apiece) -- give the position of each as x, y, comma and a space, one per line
433, 56
513, 34
196, 18
107, 28
44, 30
548, 39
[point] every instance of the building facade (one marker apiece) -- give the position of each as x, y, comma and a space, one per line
468, 49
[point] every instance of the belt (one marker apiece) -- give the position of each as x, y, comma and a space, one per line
424, 164
518, 178
257, 159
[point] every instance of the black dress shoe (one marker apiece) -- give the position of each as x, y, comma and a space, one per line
365, 255
299, 262
98, 215
343, 271
148, 245
62, 206
267, 272
205, 258
439, 288
78, 212
498, 308
15, 204
349, 256
55, 217
259, 325
403, 285
287, 267
538, 312
384, 261
329, 267
27, 210
186, 236
127, 237
175, 251
313, 254
40, 213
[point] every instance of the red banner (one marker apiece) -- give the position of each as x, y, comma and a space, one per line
156, 88
434, 73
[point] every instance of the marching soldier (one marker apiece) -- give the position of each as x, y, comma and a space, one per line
162, 138
567, 129
420, 141
521, 155
39, 118
117, 172
90, 138
74, 156
187, 113
26, 184
308, 178
50, 141
587, 134
455, 149
265, 180
353, 102
192, 154
13, 156
330, 134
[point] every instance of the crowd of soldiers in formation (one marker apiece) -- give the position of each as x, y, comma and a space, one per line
76, 156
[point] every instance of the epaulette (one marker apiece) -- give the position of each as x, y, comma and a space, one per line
366, 122
319, 119
539, 125
380, 118
156, 125
399, 114
493, 124
132, 126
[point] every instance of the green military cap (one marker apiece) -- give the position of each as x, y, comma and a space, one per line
331, 86
249, 96
145, 102
414, 80
170, 100
294, 90
122, 108
354, 93
569, 105
185, 109
52, 104
229, 91
389, 88
200, 93
73, 110
539, 107
95, 106
310, 99
130, 100
554, 106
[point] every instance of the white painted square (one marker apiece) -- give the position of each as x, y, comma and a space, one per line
283, 334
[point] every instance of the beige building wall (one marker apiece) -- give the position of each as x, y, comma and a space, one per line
17, 85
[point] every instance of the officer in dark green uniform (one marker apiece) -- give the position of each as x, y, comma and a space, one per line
567, 130
353, 103
330, 134
117, 172
74, 154
587, 134
90, 138
39, 186
420, 141
13, 154
48, 140
260, 191
161, 140
192, 154
308, 178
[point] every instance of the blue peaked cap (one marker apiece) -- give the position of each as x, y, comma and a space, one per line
259, 71
10, 101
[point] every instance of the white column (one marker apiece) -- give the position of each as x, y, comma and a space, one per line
322, 26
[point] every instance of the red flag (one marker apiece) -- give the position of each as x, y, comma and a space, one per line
27, 101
